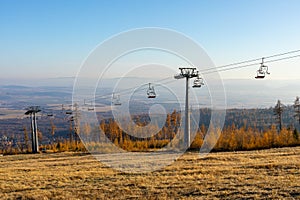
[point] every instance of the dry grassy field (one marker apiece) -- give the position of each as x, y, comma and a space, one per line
261, 174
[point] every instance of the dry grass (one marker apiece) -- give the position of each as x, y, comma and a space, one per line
262, 174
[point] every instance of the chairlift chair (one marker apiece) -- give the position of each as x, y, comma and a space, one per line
91, 107
116, 100
260, 74
198, 82
262, 71
69, 112
71, 119
151, 92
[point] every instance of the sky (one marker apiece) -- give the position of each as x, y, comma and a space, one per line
52, 38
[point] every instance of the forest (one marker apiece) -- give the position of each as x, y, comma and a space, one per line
244, 129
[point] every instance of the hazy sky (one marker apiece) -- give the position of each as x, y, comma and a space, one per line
51, 38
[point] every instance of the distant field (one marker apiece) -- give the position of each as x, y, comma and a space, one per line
10, 114
261, 174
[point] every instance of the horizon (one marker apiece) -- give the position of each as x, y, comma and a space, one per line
240, 93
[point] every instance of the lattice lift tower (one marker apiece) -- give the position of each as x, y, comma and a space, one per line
188, 73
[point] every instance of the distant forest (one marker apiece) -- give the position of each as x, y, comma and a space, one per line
246, 128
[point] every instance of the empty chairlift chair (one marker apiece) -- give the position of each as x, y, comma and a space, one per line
91, 107
260, 74
116, 100
198, 82
68, 112
151, 92
262, 71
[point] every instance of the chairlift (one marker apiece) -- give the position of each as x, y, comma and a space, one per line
151, 92
116, 100
71, 119
198, 82
262, 71
91, 108
69, 112
260, 74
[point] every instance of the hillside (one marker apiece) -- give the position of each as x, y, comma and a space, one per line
260, 174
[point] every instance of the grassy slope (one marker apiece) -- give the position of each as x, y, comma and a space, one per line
271, 173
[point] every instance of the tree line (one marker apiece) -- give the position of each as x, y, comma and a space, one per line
242, 131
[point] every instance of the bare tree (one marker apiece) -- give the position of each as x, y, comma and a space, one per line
26, 139
297, 109
278, 110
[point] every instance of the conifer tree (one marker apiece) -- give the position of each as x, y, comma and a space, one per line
297, 109
278, 110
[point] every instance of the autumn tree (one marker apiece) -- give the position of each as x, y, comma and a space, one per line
53, 128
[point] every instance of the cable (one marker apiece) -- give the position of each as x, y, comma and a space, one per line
248, 65
287, 58
282, 54
124, 91
243, 66
231, 68
252, 60
222, 68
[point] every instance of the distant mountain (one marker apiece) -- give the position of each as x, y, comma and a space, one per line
239, 93
260, 93
13, 87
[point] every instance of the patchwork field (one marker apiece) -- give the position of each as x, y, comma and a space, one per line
261, 174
